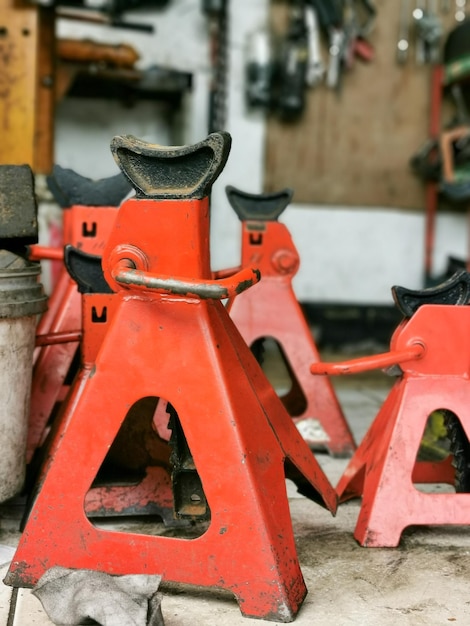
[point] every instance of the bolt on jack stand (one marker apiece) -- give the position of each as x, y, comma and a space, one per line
171, 337
272, 310
90, 208
430, 350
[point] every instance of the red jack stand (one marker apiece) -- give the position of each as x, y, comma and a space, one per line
171, 337
271, 310
86, 225
431, 347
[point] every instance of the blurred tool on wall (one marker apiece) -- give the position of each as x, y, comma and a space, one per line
217, 12
281, 67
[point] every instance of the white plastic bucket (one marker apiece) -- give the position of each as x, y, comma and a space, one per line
22, 298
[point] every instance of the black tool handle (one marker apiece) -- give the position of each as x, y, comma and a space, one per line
330, 14
454, 291
173, 172
266, 207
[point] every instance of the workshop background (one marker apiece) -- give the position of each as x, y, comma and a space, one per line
370, 147
359, 212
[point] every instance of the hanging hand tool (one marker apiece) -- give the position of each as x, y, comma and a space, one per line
420, 48
358, 22
217, 12
435, 33
315, 65
429, 32
259, 69
293, 62
403, 43
330, 18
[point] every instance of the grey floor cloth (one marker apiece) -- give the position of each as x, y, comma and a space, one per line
71, 597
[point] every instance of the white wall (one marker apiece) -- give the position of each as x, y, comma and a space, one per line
347, 255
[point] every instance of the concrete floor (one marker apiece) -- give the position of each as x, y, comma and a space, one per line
423, 581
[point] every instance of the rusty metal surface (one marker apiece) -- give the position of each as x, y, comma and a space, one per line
205, 289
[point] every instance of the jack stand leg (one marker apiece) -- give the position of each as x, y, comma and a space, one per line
390, 480
351, 483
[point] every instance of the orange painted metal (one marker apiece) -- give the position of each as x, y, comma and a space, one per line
184, 348
271, 310
384, 470
40, 253
86, 228
375, 361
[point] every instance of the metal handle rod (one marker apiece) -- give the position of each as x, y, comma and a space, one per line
51, 339
205, 289
40, 253
364, 364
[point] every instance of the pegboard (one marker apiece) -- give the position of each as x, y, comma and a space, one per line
353, 147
